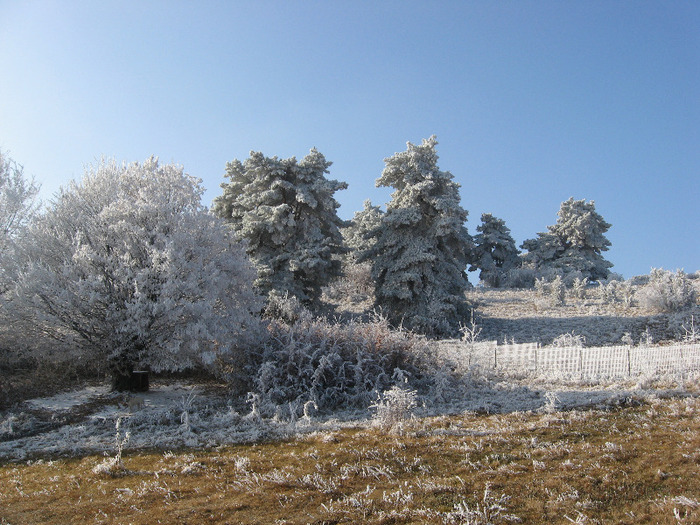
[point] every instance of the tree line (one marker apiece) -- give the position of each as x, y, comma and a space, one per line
128, 263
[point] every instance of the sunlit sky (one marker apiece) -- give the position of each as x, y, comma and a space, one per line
531, 102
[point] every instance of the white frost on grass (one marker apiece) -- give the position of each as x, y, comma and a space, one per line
69, 400
212, 421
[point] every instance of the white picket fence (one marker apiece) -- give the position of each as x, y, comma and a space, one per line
584, 363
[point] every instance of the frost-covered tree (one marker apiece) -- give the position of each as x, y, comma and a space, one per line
495, 253
127, 266
574, 244
17, 206
286, 213
422, 246
357, 234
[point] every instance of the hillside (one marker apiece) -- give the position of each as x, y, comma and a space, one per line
524, 316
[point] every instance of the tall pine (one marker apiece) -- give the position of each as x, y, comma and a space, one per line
286, 212
422, 246
574, 245
495, 253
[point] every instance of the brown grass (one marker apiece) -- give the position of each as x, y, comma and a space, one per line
637, 464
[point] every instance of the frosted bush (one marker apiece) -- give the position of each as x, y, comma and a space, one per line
578, 287
355, 285
692, 332
552, 292
332, 364
519, 278
667, 291
569, 340
287, 309
394, 406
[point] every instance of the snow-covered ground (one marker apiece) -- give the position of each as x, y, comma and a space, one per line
179, 414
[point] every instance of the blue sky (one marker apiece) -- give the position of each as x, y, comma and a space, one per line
531, 102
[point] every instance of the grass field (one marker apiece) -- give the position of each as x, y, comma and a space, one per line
637, 463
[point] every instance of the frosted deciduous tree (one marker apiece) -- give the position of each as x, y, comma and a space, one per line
129, 267
17, 206
422, 247
495, 253
574, 244
286, 212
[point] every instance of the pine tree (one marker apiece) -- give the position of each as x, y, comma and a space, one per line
358, 234
286, 213
495, 253
422, 247
574, 244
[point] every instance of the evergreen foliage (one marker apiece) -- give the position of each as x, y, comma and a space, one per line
495, 253
422, 246
574, 244
128, 267
358, 234
286, 213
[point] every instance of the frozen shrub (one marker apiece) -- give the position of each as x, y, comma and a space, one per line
553, 292
692, 333
489, 511
578, 288
286, 308
355, 285
394, 406
667, 291
114, 466
332, 364
569, 340
609, 292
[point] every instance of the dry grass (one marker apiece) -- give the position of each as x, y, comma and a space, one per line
636, 464
525, 317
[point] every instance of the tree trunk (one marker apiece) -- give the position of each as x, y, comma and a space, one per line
130, 381
125, 378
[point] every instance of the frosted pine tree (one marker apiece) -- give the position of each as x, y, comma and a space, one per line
358, 234
286, 213
126, 266
422, 247
495, 253
574, 244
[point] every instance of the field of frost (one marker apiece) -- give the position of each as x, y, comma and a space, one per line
473, 443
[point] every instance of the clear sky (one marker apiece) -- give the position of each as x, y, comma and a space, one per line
531, 102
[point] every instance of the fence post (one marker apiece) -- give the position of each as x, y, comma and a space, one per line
495, 357
629, 361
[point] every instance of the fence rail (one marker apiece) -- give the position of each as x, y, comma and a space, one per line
585, 363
